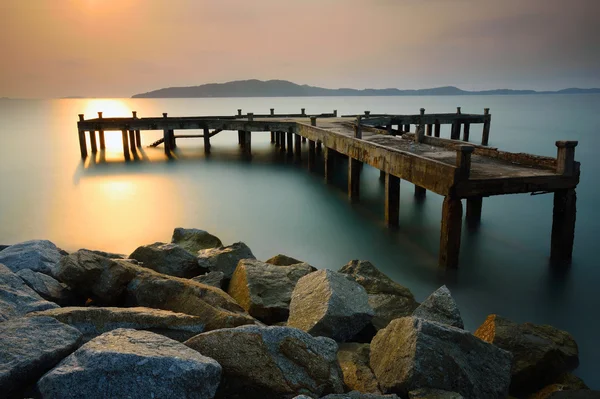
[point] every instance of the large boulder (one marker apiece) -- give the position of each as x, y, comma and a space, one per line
440, 307
16, 298
224, 259
132, 364
93, 321
327, 303
284, 260
214, 279
194, 240
412, 353
168, 259
541, 353
388, 299
354, 361
38, 255
265, 290
29, 347
116, 282
49, 288
271, 362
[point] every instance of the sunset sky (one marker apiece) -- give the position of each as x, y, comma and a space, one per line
117, 48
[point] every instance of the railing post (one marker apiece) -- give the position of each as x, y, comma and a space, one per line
455, 130
82, 144
239, 112
272, 111
463, 161
335, 113
485, 137
167, 138
303, 111
565, 158
420, 133
358, 129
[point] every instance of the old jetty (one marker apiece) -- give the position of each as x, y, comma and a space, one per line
452, 167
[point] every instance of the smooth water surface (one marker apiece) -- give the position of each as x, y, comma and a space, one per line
276, 206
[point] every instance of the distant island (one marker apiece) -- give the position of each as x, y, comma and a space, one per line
283, 88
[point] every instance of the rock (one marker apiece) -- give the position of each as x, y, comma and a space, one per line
440, 307
168, 259
115, 282
16, 298
412, 353
578, 394
271, 362
426, 393
29, 347
3, 247
49, 288
565, 382
93, 321
265, 290
541, 353
194, 240
388, 299
327, 303
38, 255
354, 361
283, 260
109, 255
224, 259
359, 395
214, 279
102, 279
132, 364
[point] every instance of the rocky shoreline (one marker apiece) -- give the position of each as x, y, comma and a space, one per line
195, 319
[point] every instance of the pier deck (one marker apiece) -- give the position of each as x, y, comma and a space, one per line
452, 167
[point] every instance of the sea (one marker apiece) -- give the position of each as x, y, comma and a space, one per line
275, 205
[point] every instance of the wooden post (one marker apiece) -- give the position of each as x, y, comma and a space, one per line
455, 130
407, 128
272, 111
474, 205
303, 109
138, 139
329, 156
290, 144
335, 113
248, 136
565, 158
277, 139
382, 175
132, 140
167, 142
429, 129
319, 147
239, 112
420, 133
125, 144
82, 144
297, 146
563, 224
241, 137
450, 232
354, 167
173, 141
358, 128
311, 155
206, 137
463, 161
93, 143
392, 200
101, 135
466, 131
485, 137
420, 192
367, 113
436, 132
282, 141
272, 137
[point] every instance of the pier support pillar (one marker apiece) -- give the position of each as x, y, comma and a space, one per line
466, 131
311, 155
297, 146
450, 232
138, 139
474, 205
429, 129
241, 137
290, 145
206, 140
303, 139
248, 142
82, 144
102, 141
319, 146
382, 175
354, 168
329, 157
272, 137
173, 142
563, 225
392, 200
420, 192
93, 143
132, 140
455, 131
166, 142
436, 131
282, 141
125, 144
407, 128
277, 139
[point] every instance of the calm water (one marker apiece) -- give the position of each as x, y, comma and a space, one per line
276, 206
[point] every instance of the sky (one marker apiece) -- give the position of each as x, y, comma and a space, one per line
117, 48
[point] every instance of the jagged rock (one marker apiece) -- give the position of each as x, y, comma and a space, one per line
388, 299
359, 395
92, 321
132, 364
565, 382
194, 240
214, 279
578, 394
29, 347
440, 307
541, 353
265, 290
354, 361
412, 353
327, 303
115, 282
38, 255
224, 259
109, 255
49, 288
16, 298
168, 259
284, 260
3, 247
271, 362
426, 393
102, 279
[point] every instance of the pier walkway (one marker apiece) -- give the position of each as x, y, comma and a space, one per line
452, 167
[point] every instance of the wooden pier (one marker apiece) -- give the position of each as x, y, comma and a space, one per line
452, 167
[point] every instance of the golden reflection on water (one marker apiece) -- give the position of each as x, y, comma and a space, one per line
110, 108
